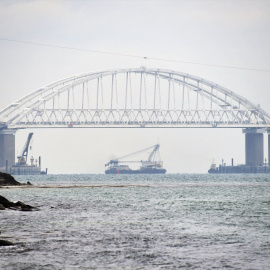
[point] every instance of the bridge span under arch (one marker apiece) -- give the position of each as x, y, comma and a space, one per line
133, 97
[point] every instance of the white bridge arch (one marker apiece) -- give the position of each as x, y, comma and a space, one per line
135, 97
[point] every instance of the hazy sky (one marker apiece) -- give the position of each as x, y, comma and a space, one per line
224, 33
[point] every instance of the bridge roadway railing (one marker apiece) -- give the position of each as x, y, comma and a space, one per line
137, 118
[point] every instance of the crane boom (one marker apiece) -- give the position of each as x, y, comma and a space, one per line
152, 155
150, 158
138, 152
22, 159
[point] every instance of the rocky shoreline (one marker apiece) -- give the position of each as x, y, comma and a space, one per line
6, 204
8, 180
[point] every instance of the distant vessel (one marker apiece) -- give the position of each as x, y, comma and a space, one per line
21, 167
223, 168
213, 168
153, 165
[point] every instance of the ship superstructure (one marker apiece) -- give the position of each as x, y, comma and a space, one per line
153, 164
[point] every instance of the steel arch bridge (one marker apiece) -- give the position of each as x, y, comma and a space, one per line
135, 97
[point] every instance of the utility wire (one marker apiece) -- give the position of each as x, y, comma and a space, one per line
133, 56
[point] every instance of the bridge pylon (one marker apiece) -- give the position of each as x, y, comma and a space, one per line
7, 149
254, 146
268, 131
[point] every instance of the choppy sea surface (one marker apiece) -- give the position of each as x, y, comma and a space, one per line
188, 221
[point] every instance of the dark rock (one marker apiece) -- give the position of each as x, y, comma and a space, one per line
8, 180
27, 208
5, 202
2, 207
24, 207
28, 183
19, 203
5, 243
15, 206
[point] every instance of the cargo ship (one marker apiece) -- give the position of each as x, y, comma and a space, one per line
153, 165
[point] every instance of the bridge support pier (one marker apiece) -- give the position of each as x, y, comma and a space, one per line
7, 149
254, 146
268, 147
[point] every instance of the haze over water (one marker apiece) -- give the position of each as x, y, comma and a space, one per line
193, 221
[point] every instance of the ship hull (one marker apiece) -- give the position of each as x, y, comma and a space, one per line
26, 170
213, 171
143, 171
241, 169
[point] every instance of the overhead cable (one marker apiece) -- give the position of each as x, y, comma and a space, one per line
134, 56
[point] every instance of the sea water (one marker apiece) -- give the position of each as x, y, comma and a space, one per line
189, 221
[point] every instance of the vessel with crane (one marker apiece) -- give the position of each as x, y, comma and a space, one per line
153, 165
21, 167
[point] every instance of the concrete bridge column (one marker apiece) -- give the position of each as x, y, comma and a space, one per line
254, 146
268, 147
7, 149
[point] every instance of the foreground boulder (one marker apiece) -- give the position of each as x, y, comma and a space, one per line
8, 180
5, 243
5, 203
